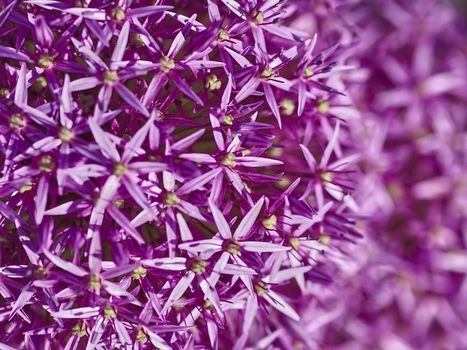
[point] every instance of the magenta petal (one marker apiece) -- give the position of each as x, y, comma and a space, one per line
183, 86
249, 220
146, 11
8, 52
119, 50
198, 182
124, 224
263, 247
41, 198
271, 100
65, 265
131, 99
222, 224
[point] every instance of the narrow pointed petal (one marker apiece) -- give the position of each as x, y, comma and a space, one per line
271, 100
41, 198
131, 99
249, 220
183, 86
179, 290
198, 182
125, 224
222, 224
65, 265
263, 247
107, 147
277, 302
21, 93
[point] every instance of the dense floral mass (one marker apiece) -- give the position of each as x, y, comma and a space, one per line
201, 174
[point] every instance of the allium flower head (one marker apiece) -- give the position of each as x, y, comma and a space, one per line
172, 173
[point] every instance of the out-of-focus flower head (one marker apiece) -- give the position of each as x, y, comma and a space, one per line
408, 290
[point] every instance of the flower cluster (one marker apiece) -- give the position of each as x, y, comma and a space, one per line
171, 173
408, 283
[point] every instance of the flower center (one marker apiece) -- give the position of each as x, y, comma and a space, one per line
198, 267
79, 329
65, 134
327, 176
4, 92
171, 199
119, 203
141, 337
208, 305
294, 242
270, 223
40, 272
233, 248
325, 239
267, 73
223, 35
261, 288
46, 164
229, 160
288, 106
45, 61
323, 106
228, 120
94, 283
258, 16
119, 169
39, 84
213, 83
139, 272
167, 64
118, 13
109, 312
138, 40
26, 187
16, 121
308, 72
110, 77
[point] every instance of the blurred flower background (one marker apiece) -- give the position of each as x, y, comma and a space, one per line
233, 174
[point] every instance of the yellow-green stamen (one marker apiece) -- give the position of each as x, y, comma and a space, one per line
79, 329
213, 83
94, 283
110, 77
109, 312
167, 64
198, 267
223, 35
233, 248
288, 106
294, 242
141, 337
45, 61
323, 106
46, 164
267, 73
16, 121
65, 134
171, 199
119, 169
26, 187
229, 160
261, 288
308, 72
228, 120
270, 223
118, 13
258, 16
139, 273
